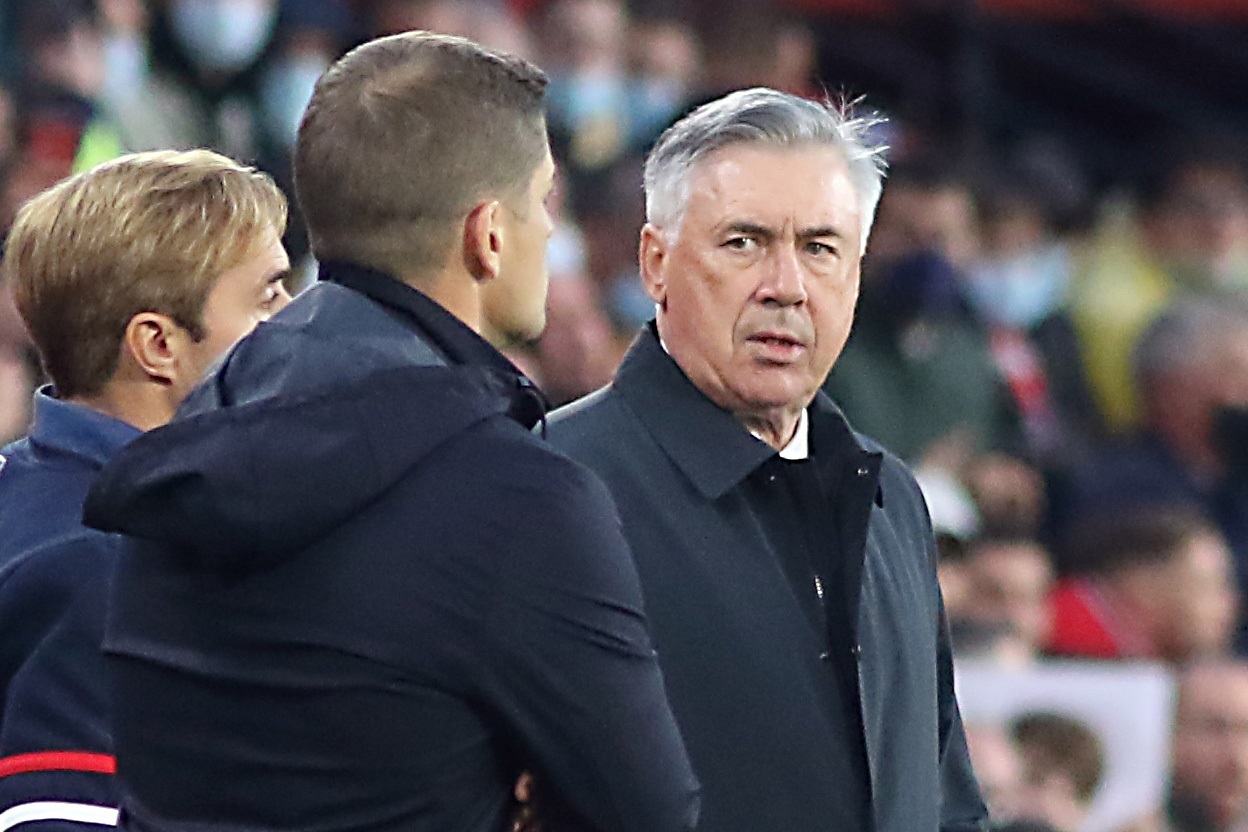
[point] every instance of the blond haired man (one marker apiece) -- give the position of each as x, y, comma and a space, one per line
131, 278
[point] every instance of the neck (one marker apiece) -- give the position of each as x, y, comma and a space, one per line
140, 404
776, 427
456, 292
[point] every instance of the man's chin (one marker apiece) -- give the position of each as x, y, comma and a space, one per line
511, 333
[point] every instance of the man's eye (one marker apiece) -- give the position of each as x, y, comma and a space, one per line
273, 294
820, 249
741, 243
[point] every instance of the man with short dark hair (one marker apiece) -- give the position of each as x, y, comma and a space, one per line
788, 562
1152, 581
364, 595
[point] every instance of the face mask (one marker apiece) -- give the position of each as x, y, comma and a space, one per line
1020, 291
586, 95
125, 65
223, 35
652, 106
286, 91
924, 284
565, 251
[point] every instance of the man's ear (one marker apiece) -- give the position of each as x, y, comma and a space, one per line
652, 260
483, 241
155, 344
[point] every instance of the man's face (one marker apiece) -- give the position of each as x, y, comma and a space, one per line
1009, 587
756, 288
1211, 741
1201, 604
241, 298
514, 302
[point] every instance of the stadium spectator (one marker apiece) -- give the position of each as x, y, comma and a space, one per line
1151, 582
1063, 763
1006, 598
1191, 366
1210, 781
917, 371
1191, 237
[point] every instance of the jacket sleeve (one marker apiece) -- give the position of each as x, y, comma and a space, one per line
56, 764
571, 666
962, 808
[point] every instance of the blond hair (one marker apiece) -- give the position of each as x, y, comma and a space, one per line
147, 232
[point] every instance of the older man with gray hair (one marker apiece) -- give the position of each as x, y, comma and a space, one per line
787, 561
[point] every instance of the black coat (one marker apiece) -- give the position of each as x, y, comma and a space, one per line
746, 678
366, 595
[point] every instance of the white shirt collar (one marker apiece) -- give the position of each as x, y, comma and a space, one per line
799, 446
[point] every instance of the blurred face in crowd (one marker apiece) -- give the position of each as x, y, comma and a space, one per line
1202, 221
757, 284
1199, 603
1181, 403
1211, 740
938, 219
241, 298
577, 349
1187, 603
514, 301
1009, 583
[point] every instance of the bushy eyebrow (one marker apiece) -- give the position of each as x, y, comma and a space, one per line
756, 230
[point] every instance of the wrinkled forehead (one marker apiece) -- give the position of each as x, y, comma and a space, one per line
808, 185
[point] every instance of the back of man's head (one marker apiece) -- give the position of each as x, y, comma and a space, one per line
149, 232
403, 137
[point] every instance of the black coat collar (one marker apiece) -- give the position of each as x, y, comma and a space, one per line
446, 333
707, 442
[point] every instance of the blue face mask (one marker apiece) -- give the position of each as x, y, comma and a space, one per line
286, 91
922, 284
1022, 290
125, 65
223, 35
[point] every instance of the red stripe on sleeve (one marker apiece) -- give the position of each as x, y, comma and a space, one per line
58, 761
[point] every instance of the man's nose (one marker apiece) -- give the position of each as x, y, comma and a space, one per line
784, 280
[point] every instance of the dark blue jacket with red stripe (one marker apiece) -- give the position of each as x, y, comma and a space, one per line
364, 595
55, 744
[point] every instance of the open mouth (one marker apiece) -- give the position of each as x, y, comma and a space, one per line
772, 339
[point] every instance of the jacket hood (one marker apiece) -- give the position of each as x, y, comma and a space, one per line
240, 488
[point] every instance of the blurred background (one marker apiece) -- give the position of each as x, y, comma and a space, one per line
1052, 329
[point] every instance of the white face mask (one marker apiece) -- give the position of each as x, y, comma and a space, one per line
1021, 290
223, 35
285, 93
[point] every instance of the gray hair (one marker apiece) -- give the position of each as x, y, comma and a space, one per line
1188, 335
760, 116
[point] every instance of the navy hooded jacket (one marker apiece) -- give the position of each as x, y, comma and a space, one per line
364, 595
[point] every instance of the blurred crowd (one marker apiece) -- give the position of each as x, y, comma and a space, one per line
1065, 367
